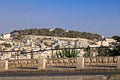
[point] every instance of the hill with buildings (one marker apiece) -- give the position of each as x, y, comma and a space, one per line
57, 32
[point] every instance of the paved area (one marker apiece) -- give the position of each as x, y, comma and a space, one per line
97, 77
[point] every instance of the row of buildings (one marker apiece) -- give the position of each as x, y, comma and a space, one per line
33, 46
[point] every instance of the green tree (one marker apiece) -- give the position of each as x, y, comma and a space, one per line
67, 53
87, 54
56, 32
117, 38
6, 44
115, 51
103, 51
46, 44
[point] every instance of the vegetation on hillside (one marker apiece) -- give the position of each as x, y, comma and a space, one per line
109, 52
115, 51
6, 45
117, 38
58, 32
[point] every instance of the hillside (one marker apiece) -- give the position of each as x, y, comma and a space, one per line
58, 32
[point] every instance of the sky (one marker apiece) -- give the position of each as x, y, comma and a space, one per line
95, 16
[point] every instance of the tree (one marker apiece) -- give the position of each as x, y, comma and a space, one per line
57, 46
109, 52
115, 51
86, 55
103, 51
56, 32
46, 44
117, 38
6, 45
67, 53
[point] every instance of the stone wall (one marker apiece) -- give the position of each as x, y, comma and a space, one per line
34, 62
3, 65
95, 61
22, 63
101, 61
61, 62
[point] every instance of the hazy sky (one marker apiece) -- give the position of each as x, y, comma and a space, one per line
96, 16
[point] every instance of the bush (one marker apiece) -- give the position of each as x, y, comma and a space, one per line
67, 53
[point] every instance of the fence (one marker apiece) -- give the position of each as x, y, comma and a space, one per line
23, 63
78, 62
101, 62
61, 62
22, 54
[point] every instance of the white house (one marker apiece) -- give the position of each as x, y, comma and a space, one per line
6, 36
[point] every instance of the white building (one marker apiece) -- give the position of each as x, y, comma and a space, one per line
110, 40
102, 43
6, 36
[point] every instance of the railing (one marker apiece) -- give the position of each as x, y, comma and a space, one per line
17, 54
